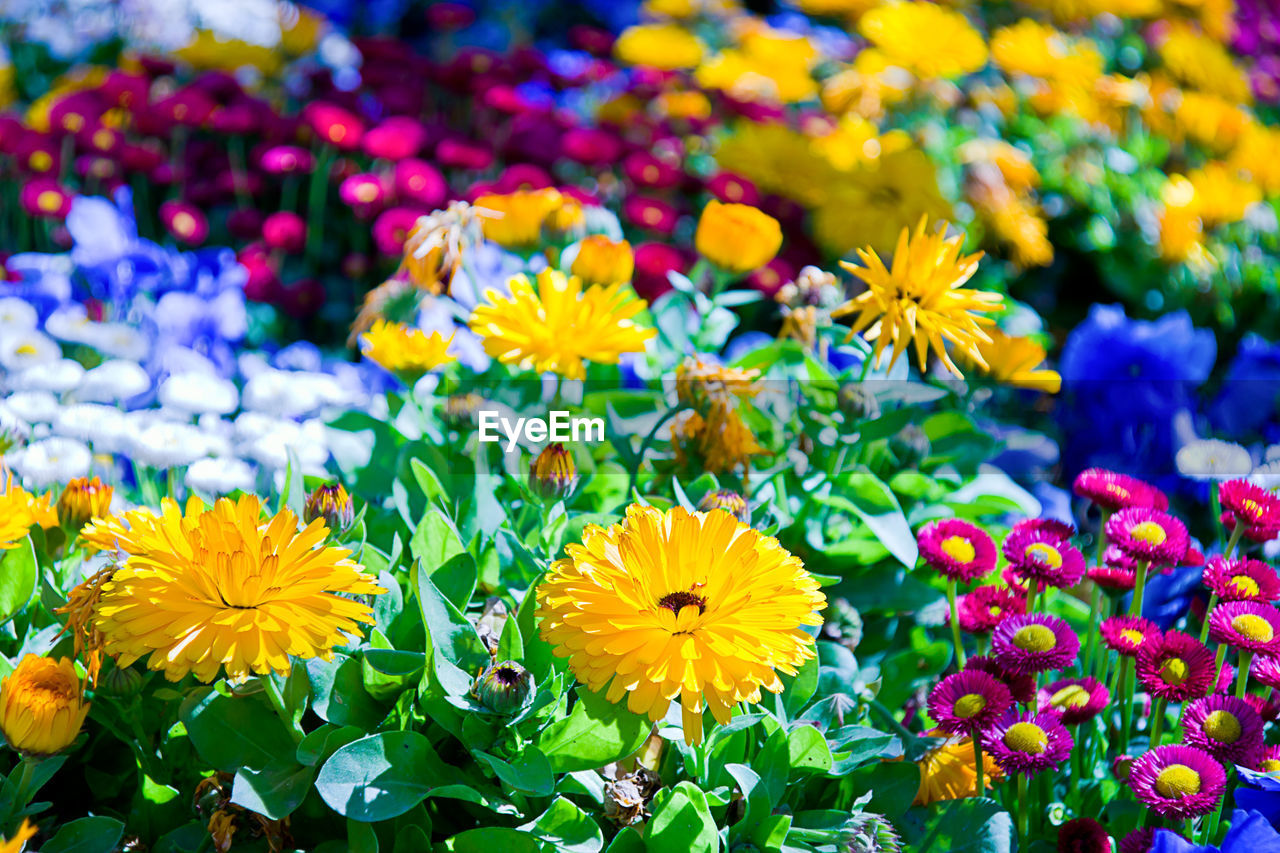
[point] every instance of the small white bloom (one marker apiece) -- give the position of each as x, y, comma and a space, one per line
220, 475
1267, 475
166, 444
17, 315
52, 460
33, 406
11, 425
113, 381
57, 376
107, 428
21, 349
199, 393
1212, 459
286, 393
71, 324
119, 340
272, 449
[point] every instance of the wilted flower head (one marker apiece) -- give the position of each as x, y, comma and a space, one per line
434, 248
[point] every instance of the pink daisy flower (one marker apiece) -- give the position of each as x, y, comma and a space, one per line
1177, 781
1035, 642
1113, 491
1026, 743
1246, 625
1177, 667
1115, 578
1248, 502
1265, 669
1270, 760
1074, 699
968, 701
1040, 549
1227, 728
1149, 535
986, 607
1083, 835
1241, 580
956, 549
1127, 634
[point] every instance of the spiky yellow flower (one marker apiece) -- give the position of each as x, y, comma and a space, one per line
925, 38
408, 353
20, 838
713, 427
42, 706
21, 510
225, 589
83, 499
920, 298
677, 604
1017, 362
559, 326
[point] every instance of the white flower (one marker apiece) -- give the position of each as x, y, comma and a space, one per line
72, 324
220, 475
107, 428
12, 426
290, 393
199, 393
33, 406
1212, 459
113, 381
57, 376
21, 349
52, 460
16, 315
166, 444
272, 449
119, 340
1267, 475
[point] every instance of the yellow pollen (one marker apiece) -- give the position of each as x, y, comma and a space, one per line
1222, 726
995, 610
1177, 781
733, 192
25, 349
1271, 765
1175, 671
1134, 636
651, 216
969, 706
1072, 696
184, 223
1253, 627
417, 182
40, 161
1035, 638
1254, 508
1244, 585
650, 173
1044, 554
337, 133
49, 201
958, 548
1149, 532
1026, 737
103, 138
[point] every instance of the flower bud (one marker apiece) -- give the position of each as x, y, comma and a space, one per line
553, 474
332, 504
121, 682
737, 237
459, 410
603, 261
910, 445
504, 687
83, 499
729, 501
857, 402
41, 705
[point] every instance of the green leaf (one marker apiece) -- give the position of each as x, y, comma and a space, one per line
892, 785
759, 805
86, 835
490, 839
230, 732
960, 826
595, 733
458, 653
510, 644
681, 821
530, 772
381, 776
864, 495
274, 791
808, 750
568, 828
800, 688
626, 841
339, 695
428, 481
438, 547
19, 574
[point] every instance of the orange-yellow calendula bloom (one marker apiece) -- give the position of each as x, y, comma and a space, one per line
668, 47
926, 39
696, 606
920, 298
408, 353
1017, 362
42, 706
603, 261
21, 510
1203, 63
949, 772
82, 499
515, 220
20, 838
224, 588
559, 326
737, 237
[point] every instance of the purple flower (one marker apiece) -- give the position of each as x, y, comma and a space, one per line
1227, 728
956, 549
967, 701
1035, 642
1177, 781
1026, 743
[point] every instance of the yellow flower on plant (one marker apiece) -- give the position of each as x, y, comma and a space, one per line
696, 606
873, 203
604, 261
1015, 165
300, 29
668, 47
1017, 362
927, 39
682, 105
83, 499
20, 510
1181, 229
408, 353
207, 50
42, 705
515, 220
777, 159
225, 589
920, 299
748, 77
559, 326
1221, 195
850, 9
713, 427
1255, 156
1203, 63
948, 772
737, 237
1038, 50
20, 838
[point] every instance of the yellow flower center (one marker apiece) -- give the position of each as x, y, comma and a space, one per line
1149, 532
1271, 765
958, 548
1222, 726
184, 223
1177, 781
1253, 508
366, 193
1244, 585
1253, 627
103, 138
1034, 638
49, 201
995, 610
1026, 737
25, 349
1072, 696
1044, 554
969, 706
1132, 635
40, 161
337, 133
1174, 671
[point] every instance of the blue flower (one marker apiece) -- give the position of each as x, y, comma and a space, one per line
1250, 832
1260, 793
1246, 405
208, 325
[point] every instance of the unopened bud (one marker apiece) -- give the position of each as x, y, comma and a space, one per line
83, 499
727, 500
504, 687
857, 402
121, 682
553, 474
910, 445
331, 504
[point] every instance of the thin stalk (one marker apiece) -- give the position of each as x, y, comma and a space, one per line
317, 195
1242, 672
1139, 585
645, 444
1204, 629
1024, 809
1095, 602
1157, 722
1126, 709
955, 623
1217, 669
277, 702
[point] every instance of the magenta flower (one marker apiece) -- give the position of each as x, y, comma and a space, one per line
392, 228
970, 701
1246, 625
1265, 669
646, 170
1248, 502
185, 221
986, 607
419, 182
364, 193
1177, 781
286, 160
1149, 535
1140, 840
334, 125
1270, 760
1127, 634
45, 199
457, 154
1114, 491
1040, 549
956, 549
733, 189
1227, 728
1241, 580
395, 138
1177, 668
591, 146
1116, 578
653, 214
1083, 835
1074, 699
284, 230
1035, 642
1026, 743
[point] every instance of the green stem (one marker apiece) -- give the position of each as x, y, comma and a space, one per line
1204, 629
277, 702
955, 623
1242, 672
977, 763
1139, 585
1095, 602
1233, 541
23, 796
646, 443
1024, 809
907, 735
317, 195
1126, 708
1217, 669
1104, 655
1157, 722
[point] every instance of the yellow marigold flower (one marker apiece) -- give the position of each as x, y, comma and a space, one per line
713, 427
559, 326
754, 78
20, 838
737, 237
949, 773
515, 220
20, 511
408, 353
682, 105
1038, 50
42, 705
668, 47
1181, 230
1256, 157
920, 298
1210, 120
1016, 361
926, 39
83, 499
1019, 225
1202, 63
604, 261
873, 203
851, 9
856, 142
225, 589
1221, 195
778, 160
677, 604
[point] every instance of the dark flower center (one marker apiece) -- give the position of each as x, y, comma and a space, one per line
677, 601
507, 675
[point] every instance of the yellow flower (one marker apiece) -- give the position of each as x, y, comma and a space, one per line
737, 237
553, 473
558, 327
677, 604
855, 142
1256, 157
1202, 63
1038, 50
224, 588
682, 105
42, 705
667, 47
755, 78
1074, 11
778, 160
1181, 230
515, 220
713, 427
208, 50
434, 248
408, 353
920, 298
20, 511
300, 29
1213, 122
1015, 165
1015, 361
604, 261
83, 499
1221, 196
20, 838
873, 203
850, 9
926, 39
949, 773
